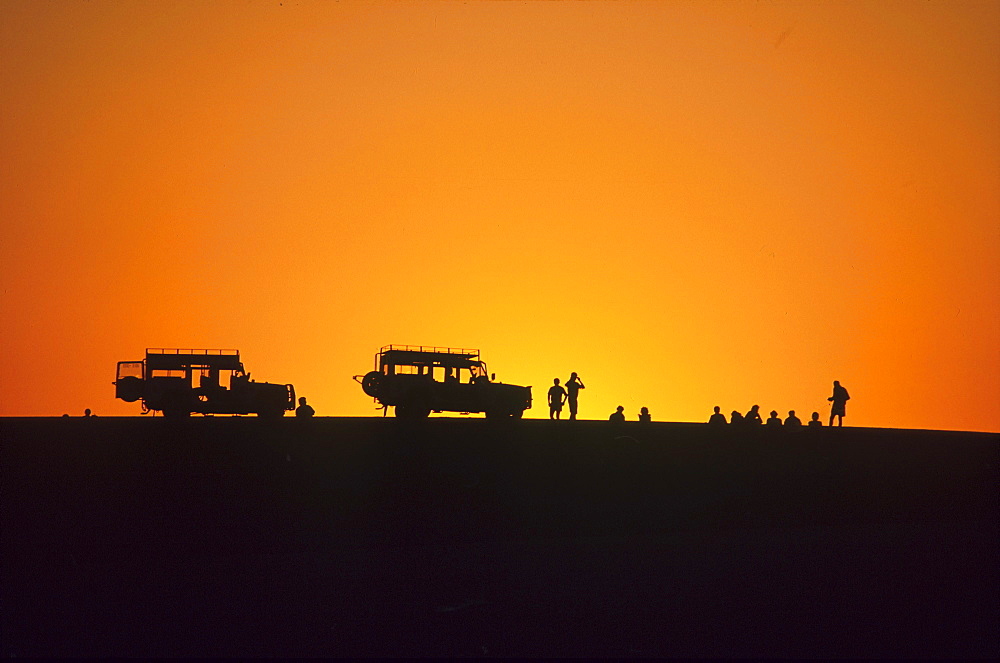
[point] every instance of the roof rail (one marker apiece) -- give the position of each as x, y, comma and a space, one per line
431, 348
189, 351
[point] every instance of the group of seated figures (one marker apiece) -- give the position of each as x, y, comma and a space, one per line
752, 418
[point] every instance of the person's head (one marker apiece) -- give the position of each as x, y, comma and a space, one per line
736, 413
717, 408
791, 413
836, 383
555, 381
302, 400
774, 414
815, 416
755, 408
644, 410
572, 375
620, 408
86, 412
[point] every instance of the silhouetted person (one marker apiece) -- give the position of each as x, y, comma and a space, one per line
774, 419
736, 418
718, 418
557, 396
644, 415
573, 387
815, 422
753, 416
88, 413
792, 421
618, 416
839, 399
209, 380
304, 409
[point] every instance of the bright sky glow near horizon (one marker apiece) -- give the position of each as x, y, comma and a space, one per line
688, 203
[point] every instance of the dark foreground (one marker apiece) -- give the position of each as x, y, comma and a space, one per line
361, 537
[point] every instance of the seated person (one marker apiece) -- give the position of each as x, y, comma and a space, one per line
774, 420
618, 416
718, 417
304, 409
815, 422
792, 421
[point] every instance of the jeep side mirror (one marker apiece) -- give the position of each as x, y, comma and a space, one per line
493, 378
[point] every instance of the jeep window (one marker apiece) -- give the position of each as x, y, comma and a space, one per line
168, 373
129, 369
207, 379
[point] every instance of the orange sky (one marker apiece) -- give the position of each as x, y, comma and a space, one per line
688, 203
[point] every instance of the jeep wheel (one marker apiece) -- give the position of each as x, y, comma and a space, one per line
129, 389
371, 382
412, 412
499, 414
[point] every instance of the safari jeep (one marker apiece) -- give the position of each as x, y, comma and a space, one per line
418, 380
165, 381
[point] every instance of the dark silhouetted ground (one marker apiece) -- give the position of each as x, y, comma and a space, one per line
355, 537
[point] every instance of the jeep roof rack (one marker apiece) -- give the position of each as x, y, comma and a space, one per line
434, 349
176, 358
428, 355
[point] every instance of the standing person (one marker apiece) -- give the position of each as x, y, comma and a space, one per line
557, 396
839, 399
304, 410
573, 387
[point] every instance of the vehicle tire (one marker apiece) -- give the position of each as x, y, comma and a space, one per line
372, 383
176, 405
129, 389
412, 412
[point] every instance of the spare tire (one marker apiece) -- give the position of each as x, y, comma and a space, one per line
129, 389
372, 383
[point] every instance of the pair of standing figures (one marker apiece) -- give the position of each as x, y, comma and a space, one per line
559, 395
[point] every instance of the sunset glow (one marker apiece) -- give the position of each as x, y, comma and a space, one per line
688, 203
